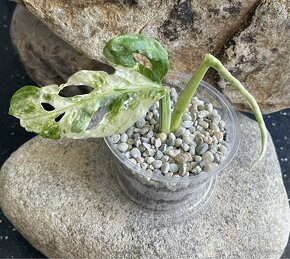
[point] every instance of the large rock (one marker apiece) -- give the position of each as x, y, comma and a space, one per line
249, 36
47, 58
63, 199
260, 56
188, 29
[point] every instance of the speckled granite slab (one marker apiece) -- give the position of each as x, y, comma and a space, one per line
62, 197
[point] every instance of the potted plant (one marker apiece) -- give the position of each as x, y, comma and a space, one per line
168, 148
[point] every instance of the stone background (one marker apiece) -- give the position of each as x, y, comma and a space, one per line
12, 76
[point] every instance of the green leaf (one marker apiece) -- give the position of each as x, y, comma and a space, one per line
125, 95
120, 50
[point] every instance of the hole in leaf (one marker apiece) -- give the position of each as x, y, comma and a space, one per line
141, 59
73, 90
97, 117
104, 67
59, 117
47, 106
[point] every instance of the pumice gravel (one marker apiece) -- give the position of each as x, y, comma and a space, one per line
197, 146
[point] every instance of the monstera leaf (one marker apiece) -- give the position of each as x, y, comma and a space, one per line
114, 104
119, 51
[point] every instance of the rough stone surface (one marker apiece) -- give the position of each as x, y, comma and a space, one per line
249, 36
63, 199
47, 58
188, 29
260, 56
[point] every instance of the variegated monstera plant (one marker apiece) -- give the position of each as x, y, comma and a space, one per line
124, 96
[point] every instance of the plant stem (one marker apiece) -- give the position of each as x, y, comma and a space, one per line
188, 92
217, 65
165, 113
186, 95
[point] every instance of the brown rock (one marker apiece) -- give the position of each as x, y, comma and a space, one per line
260, 57
188, 29
47, 58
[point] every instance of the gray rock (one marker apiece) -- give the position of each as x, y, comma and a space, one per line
62, 197
141, 123
47, 58
158, 154
187, 29
202, 148
135, 152
180, 131
173, 168
187, 124
165, 168
178, 142
157, 164
259, 57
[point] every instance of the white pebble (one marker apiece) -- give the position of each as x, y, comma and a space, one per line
144, 166
186, 117
115, 138
162, 136
139, 160
203, 124
157, 164
165, 158
149, 160
187, 124
171, 136
209, 107
178, 142
135, 152
222, 149
165, 168
180, 131
198, 159
214, 127
173, 168
219, 135
147, 146
192, 150
187, 139
130, 132
210, 166
157, 142
185, 147
123, 147
124, 137
140, 123
173, 94
208, 156
182, 169
144, 130
173, 152
158, 154
202, 114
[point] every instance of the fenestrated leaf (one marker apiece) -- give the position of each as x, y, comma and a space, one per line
120, 50
127, 95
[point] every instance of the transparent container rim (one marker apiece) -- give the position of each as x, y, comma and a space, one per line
229, 157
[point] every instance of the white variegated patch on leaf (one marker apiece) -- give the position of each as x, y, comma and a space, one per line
124, 96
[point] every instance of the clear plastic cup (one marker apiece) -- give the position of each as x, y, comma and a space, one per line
160, 192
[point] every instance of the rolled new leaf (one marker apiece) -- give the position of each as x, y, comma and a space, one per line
119, 51
123, 98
